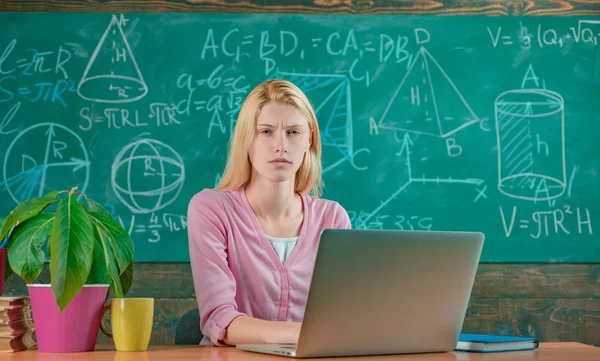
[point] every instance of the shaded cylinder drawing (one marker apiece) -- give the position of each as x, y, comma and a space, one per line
531, 144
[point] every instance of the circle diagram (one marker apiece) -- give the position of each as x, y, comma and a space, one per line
147, 175
43, 158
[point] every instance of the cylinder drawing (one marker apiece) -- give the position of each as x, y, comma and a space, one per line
531, 144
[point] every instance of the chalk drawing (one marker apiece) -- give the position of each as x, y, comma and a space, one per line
406, 151
331, 95
147, 175
59, 162
530, 136
416, 107
112, 74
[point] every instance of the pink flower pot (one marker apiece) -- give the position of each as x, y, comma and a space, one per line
75, 328
2, 268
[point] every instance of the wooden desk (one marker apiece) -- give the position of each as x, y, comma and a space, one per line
564, 351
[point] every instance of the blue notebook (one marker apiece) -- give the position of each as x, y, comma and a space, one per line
490, 343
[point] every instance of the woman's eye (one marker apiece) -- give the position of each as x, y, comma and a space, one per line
265, 131
294, 132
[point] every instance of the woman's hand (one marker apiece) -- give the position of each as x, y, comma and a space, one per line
244, 329
294, 332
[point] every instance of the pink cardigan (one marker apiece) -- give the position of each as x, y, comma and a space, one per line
235, 269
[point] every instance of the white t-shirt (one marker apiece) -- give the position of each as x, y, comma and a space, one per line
283, 246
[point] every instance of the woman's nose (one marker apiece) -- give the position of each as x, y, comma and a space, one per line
281, 144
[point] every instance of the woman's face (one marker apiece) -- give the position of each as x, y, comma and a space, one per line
281, 139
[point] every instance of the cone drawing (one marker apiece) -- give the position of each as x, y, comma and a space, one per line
112, 75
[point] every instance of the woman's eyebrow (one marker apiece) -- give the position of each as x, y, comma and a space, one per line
272, 126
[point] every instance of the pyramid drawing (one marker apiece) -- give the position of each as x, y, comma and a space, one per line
330, 94
112, 75
427, 101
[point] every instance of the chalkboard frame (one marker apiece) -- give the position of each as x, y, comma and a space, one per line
364, 7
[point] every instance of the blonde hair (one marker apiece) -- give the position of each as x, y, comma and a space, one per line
238, 170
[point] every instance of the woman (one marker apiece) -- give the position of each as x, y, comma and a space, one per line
253, 240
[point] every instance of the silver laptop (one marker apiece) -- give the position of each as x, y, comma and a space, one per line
376, 292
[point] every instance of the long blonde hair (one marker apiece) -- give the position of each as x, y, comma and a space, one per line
238, 169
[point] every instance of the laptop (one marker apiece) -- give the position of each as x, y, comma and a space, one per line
378, 292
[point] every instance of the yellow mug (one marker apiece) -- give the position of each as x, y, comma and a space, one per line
131, 321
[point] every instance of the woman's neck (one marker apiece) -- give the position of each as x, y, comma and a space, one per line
273, 200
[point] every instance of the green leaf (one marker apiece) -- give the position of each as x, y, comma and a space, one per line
72, 246
116, 236
26, 210
126, 281
94, 206
49, 246
7, 270
127, 278
109, 258
25, 252
99, 273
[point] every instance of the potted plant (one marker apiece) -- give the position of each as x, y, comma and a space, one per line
89, 253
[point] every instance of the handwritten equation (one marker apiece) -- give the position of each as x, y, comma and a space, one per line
363, 220
586, 32
35, 64
227, 92
159, 115
271, 46
548, 222
155, 227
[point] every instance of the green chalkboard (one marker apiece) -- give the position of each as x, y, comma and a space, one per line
440, 123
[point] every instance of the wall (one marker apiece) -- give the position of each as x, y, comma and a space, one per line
555, 302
